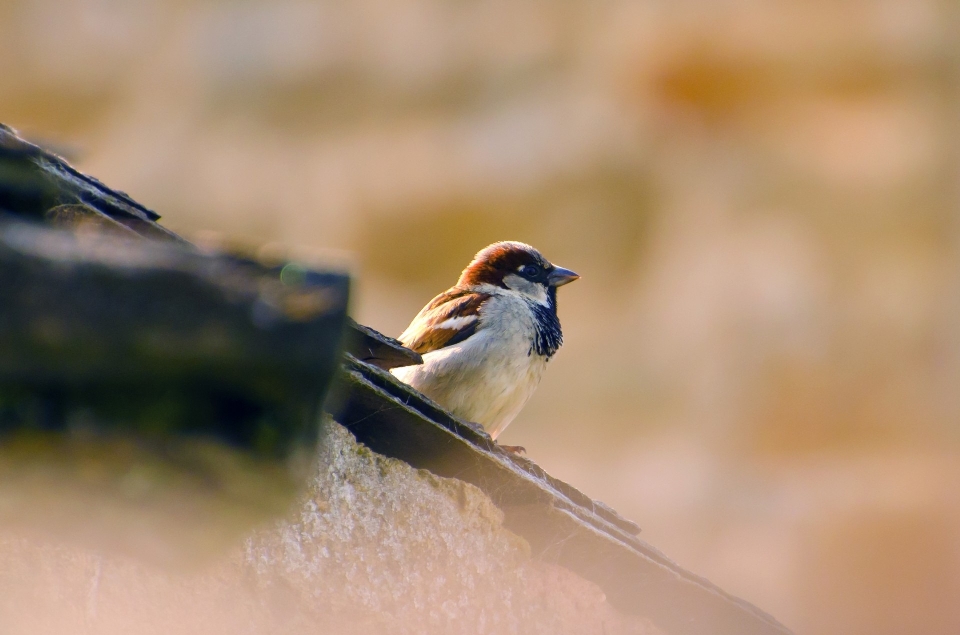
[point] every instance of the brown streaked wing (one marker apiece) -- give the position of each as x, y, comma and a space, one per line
425, 335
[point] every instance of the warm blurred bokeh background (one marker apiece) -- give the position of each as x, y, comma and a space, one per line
762, 363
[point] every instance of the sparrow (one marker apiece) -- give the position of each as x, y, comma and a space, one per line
486, 341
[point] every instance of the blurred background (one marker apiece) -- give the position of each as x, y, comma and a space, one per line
762, 360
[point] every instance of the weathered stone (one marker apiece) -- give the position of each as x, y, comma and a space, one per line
375, 348
134, 373
37, 185
82, 218
376, 547
33, 181
562, 524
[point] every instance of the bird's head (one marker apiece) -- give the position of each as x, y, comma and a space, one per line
518, 267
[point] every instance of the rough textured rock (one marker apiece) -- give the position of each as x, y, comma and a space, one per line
376, 547
151, 392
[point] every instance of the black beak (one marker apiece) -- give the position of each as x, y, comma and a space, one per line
560, 276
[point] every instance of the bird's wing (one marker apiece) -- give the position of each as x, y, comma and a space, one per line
449, 318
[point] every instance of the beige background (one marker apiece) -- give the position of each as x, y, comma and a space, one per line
763, 356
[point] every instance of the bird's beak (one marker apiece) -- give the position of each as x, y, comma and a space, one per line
560, 276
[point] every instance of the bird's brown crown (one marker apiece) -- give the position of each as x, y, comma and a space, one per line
495, 262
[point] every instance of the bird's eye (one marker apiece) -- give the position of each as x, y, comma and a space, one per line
530, 271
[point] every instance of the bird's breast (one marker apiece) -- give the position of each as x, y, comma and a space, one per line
488, 377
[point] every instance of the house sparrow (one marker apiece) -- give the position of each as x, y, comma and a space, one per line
486, 341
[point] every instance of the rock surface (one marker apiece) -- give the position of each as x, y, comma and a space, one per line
375, 547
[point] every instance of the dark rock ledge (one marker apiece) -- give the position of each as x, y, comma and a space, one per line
561, 524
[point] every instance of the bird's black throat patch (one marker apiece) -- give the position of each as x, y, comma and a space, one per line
548, 337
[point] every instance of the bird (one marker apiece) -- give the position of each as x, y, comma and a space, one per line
486, 341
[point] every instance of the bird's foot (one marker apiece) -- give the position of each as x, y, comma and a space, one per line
514, 449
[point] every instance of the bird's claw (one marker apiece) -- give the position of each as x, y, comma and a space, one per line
514, 449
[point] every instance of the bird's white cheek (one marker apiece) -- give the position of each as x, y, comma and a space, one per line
533, 290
